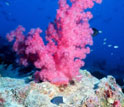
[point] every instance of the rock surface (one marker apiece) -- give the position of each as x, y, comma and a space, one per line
89, 92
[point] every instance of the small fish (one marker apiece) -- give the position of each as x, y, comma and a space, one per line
7, 3
104, 43
91, 50
116, 46
104, 39
109, 45
95, 32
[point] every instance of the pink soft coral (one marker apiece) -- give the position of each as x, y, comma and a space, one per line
68, 37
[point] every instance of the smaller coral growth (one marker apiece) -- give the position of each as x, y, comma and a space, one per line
68, 39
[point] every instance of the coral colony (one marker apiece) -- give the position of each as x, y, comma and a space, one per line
69, 37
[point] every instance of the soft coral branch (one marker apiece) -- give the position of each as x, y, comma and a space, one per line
68, 39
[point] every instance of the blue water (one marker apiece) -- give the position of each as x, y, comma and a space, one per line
108, 18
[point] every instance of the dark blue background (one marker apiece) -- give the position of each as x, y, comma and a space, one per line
108, 17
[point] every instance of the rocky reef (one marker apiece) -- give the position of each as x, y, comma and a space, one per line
88, 92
